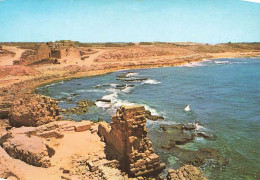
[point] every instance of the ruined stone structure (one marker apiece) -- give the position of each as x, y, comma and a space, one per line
47, 52
127, 134
34, 110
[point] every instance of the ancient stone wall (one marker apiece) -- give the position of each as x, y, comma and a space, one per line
55, 53
128, 136
34, 110
43, 52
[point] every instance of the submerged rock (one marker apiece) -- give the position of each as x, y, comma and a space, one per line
199, 157
82, 108
188, 126
133, 80
122, 86
149, 115
207, 135
104, 100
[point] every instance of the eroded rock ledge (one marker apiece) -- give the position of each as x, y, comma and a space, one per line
29, 144
187, 172
127, 135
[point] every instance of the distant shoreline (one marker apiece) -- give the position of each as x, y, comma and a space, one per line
92, 74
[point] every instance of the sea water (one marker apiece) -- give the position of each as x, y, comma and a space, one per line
224, 98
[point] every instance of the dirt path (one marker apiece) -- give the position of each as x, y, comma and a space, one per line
8, 59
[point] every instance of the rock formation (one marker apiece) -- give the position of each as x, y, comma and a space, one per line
8, 169
30, 144
127, 134
34, 110
186, 172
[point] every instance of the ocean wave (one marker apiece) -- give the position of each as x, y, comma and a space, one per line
65, 93
120, 102
116, 103
193, 64
127, 89
105, 85
199, 126
206, 60
113, 85
151, 81
111, 97
239, 62
61, 82
90, 90
132, 74
103, 104
222, 62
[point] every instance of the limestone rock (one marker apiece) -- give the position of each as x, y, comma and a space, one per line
149, 115
34, 110
186, 172
8, 169
83, 126
29, 149
27, 143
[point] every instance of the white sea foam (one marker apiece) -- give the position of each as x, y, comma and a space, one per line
239, 62
198, 126
113, 85
132, 74
49, 85
151, 81
222, 62
89, 90
206, 60
192, 64
120, 102
61, 82
111, 97
199, 139
66, 94
127, 89
116, 103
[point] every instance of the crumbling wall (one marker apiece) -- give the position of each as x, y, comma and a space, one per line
55, 53
34, 110
127, 134
43, 52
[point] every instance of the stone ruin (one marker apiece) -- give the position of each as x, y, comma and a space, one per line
34, 110
127, 135
48, 53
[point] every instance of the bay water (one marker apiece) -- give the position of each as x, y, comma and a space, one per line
224, 99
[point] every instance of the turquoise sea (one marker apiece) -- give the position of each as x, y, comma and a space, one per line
224, 98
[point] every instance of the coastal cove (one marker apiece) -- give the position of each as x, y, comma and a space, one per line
223, 95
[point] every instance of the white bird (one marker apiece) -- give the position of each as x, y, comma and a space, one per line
187, 108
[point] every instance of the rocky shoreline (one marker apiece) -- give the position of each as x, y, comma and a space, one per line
60, 149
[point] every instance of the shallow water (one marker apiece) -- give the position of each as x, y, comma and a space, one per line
224, 97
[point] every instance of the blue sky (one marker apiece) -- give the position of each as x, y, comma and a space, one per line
205, 21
